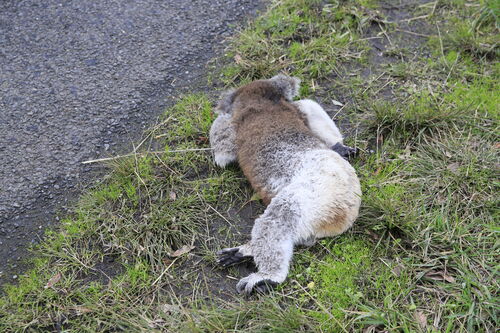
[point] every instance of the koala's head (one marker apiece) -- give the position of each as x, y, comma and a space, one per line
274, 89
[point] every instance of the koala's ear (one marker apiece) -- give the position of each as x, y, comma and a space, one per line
226, 102
287, 85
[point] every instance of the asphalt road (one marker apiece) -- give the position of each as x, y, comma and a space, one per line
80, 80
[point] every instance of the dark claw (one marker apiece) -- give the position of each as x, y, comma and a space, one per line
265, 286
345, 151
240, 288
262, 287
229, 257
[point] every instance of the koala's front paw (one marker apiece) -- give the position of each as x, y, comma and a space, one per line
255, 282
345, 151
230, 256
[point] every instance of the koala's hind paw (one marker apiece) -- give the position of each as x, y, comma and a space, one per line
255, 282
345, 151
230, 256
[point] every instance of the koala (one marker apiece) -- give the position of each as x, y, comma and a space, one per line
284, 149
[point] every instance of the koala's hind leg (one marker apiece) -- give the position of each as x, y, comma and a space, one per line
273, 238
223, 140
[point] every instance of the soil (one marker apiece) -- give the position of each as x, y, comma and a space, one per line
81, 80
387, 46
219, 283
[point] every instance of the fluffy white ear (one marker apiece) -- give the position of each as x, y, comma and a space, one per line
288, 85
225, 103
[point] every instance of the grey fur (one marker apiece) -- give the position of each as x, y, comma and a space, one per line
223, 133
288, 85
274, 160
273, 238
225, 103
222, 139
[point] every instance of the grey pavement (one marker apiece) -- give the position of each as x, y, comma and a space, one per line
80, 80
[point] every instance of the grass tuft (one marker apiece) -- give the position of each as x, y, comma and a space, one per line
305, 38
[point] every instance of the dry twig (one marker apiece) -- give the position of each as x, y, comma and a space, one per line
144, 154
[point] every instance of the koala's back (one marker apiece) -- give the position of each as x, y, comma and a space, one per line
271, 140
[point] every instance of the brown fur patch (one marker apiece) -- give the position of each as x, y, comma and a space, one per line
334, 224
259, 112
266, 197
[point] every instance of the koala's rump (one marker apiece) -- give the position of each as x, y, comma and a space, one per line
280, 156
325, 193
323, 187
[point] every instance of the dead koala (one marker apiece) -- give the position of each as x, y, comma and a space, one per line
291, 154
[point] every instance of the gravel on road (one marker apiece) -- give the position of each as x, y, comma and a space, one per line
81, 79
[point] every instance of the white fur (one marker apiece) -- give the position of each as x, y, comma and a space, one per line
324, 181
222, 138
224, 159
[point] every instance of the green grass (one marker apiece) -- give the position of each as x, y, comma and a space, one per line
148, 207
422, 256
307, 38
472, 28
